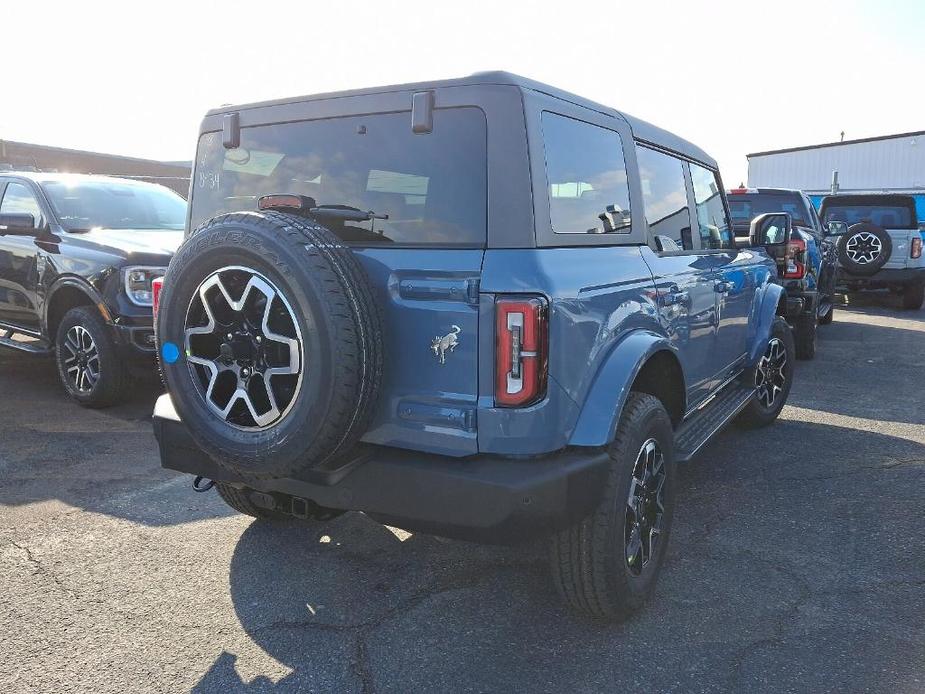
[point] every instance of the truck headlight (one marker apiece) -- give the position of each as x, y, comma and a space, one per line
138, 283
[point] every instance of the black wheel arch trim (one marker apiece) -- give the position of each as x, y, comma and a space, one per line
79, 283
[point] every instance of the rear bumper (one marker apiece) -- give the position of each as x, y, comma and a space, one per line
883, 278
481, 498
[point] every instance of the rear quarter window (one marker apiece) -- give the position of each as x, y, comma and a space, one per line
586, 177
432, 186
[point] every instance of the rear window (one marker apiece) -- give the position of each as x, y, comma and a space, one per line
745, 207
889, 213
431, 186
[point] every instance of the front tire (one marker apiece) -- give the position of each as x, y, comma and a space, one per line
88, 363
771, 377
913, 296
606, 566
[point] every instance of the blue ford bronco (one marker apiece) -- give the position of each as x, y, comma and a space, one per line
482, 308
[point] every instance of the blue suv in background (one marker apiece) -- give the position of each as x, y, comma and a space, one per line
807, 269
482, 308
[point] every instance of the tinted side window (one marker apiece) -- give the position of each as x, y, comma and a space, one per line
711, 213
19, 200
586, 177
665, 197
433, 187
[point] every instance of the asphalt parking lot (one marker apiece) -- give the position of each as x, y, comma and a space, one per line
797, 561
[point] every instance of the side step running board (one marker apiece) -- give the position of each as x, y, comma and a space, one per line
38, 347
704, 424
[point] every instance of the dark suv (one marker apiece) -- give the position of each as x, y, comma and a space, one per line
77, 257
482, 308
808, 270
879, 245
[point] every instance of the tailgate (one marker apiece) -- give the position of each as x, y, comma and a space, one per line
430, 303
902, 249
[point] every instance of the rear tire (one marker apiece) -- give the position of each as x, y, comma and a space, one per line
239, 500
760, 413
591, 564
913, 296
804, 336
88, 360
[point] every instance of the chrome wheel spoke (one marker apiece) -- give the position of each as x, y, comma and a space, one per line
82, 361
231, 342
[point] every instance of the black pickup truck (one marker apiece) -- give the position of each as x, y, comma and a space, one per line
78, 254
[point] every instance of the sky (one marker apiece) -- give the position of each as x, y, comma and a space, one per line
135, 78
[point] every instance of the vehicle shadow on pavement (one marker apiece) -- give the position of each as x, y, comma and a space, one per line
769, 579
105, 461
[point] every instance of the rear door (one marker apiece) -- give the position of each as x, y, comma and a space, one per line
683, 275
422, 249
734, 270
18, 260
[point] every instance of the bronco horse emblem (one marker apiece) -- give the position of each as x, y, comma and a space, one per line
447, 343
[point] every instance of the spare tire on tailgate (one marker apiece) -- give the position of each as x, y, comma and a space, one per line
864, 249
270, 341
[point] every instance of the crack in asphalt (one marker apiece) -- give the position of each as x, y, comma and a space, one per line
361, 665
40, 569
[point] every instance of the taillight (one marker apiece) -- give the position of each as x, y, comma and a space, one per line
795, 267
156, 285
916, 251
520, 351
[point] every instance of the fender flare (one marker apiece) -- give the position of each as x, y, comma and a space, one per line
766, 313
73, 282
600, 413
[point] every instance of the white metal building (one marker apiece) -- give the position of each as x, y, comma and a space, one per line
890, 163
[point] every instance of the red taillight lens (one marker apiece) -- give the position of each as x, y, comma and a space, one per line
795, 267
520, 351
916, 251
278, 201
156, 285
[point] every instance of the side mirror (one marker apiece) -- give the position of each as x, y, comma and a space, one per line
18, 225
836, 228
770, 229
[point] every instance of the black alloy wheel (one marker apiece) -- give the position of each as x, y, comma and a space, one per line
645, 507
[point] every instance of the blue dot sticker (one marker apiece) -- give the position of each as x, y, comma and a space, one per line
170, 352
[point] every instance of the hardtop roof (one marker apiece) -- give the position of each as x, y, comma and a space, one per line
642, 130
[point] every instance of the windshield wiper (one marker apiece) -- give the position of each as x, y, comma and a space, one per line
347, 213
306, 205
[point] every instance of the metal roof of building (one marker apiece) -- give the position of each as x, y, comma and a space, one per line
835, 144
